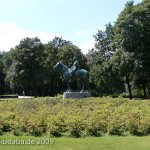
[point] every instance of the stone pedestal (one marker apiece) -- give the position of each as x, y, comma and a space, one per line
76, 95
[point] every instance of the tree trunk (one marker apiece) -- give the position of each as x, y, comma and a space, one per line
34, 90
148, 88
144, 90
129, 87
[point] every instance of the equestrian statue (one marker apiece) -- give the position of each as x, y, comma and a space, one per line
74, 73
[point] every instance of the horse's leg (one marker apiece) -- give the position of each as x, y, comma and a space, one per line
82, 86
68, 86
87, 84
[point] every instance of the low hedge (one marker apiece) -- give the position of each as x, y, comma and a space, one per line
86, 117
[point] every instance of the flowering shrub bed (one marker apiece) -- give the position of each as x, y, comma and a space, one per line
87, 117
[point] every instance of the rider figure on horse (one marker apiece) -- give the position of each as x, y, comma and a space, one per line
74, 68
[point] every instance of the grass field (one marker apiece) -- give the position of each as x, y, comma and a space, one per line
89, 143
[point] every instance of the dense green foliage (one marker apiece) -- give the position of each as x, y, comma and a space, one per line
29, 66
118, 63
132, 34
27, 59
88, 117
121, 52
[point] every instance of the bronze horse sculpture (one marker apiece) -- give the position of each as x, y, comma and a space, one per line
80, 74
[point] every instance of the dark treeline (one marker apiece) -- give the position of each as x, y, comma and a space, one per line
29, 66
119, 63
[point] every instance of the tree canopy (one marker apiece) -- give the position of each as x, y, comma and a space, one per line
118, 63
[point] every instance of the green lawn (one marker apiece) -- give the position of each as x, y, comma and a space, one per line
91, 143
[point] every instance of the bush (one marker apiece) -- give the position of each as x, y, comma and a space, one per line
6, 121
87, 117
96, 125
75, 125
56, 124
18, 132
1, 132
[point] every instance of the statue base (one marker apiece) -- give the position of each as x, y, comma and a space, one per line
76, 95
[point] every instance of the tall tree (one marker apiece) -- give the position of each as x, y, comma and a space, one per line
132, 33
99, 60
26, 70
123, 64
103, 41
51, 75
2, 74
59, 42
7, 62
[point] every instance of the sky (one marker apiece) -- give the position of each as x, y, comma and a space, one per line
73, 20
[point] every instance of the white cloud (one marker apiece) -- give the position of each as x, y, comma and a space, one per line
86, 46
11, 34
78, 33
